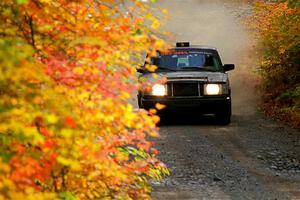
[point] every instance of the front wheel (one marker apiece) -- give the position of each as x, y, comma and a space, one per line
224, 117
140, 104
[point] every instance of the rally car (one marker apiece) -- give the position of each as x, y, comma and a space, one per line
194, 79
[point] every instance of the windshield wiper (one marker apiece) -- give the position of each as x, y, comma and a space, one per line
166, 68
199, 68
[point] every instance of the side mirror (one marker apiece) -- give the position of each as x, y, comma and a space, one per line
228, 67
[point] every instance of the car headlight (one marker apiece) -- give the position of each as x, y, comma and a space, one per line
159, 90
213, 89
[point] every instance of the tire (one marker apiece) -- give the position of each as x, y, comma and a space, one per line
224, 117
140, 102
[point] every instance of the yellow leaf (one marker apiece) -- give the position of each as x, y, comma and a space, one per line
90, 104
153, 111
154, 75
78, 70
14, 101
165, 11
4, 168
282, 50
159, 106
155, 24
69, 162
66, 133
159, 44
156, 119
124, 95
51, 119
151, 68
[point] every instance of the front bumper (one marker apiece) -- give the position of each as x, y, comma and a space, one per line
206, 105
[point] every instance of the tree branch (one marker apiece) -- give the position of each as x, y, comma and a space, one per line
30, 23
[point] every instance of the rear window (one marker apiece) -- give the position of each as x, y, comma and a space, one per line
187, 60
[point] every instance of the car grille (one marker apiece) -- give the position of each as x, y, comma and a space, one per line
184, 89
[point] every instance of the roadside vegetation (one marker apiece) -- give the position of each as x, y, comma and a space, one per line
278, 26
67, 72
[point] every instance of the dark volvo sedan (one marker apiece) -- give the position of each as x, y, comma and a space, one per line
195, 79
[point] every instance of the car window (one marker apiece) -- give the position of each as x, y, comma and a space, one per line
187, 60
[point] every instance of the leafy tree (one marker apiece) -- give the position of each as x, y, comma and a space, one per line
66, 74
278, 25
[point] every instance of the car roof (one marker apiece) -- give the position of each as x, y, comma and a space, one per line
204, 47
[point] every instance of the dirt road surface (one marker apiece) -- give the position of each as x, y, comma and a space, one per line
252, 158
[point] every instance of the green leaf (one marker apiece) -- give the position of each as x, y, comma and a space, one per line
5, 155
20, 2
67, 196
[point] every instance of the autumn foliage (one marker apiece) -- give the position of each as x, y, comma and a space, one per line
67, 71
278, 26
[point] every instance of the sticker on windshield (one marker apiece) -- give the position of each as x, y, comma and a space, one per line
201, 52
169, 53
183, 62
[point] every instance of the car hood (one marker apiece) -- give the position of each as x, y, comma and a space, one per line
199, 76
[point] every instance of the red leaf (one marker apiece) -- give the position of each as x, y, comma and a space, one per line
69, 121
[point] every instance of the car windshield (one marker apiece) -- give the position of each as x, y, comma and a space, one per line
186, 60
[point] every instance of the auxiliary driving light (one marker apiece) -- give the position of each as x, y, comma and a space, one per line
159, 90
212, 89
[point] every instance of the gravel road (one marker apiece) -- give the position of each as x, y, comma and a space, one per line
252, 158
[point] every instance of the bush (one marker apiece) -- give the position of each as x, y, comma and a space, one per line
67, 130
277, 24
